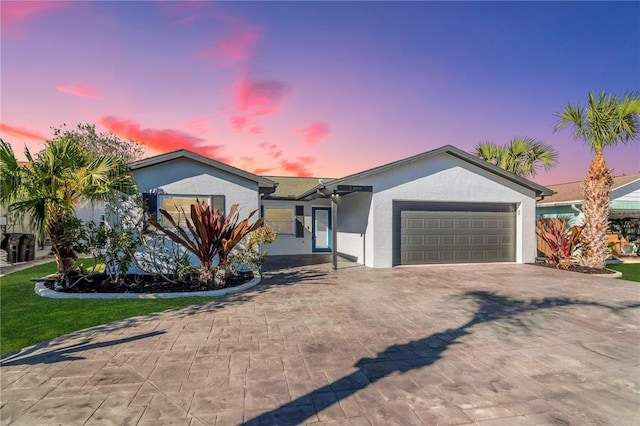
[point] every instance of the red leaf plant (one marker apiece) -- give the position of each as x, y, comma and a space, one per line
209, 234
562, 241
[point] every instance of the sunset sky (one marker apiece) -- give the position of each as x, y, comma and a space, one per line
315, 88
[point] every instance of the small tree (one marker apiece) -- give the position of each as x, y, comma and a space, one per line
605, 121
102, 144
521, 156
53, 183
250, 251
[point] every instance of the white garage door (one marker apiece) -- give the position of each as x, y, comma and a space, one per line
455, 233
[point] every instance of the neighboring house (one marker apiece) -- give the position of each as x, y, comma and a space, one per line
442, 206
625, 205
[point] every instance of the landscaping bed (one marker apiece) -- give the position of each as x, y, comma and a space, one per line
578, 268
101, 283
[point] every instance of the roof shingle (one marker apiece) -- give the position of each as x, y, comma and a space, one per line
572, 191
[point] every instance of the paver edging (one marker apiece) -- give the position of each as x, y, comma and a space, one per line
614, 274
42, 290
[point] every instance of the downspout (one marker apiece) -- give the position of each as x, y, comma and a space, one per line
334, 230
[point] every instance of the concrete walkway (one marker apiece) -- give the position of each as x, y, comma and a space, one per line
489, 344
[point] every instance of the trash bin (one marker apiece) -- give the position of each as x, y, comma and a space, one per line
27, 248
10, 244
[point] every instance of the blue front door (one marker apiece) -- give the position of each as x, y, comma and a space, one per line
321, 229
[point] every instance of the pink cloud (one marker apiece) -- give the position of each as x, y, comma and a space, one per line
198, 125
315, 131
162, 140
78, 89
260, 97
184, 12
237, 47
21, 132
261, 171
273, 149
241, 123
299, 167
238, 124
14, 13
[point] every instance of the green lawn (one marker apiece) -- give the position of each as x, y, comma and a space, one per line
26, 318
630, 271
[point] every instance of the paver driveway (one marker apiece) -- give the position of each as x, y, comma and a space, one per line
488, 344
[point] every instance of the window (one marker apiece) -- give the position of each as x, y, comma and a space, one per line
174, 205
280, 220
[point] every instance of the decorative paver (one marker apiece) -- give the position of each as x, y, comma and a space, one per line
499, 344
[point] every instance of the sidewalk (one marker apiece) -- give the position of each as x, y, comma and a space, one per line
41, 256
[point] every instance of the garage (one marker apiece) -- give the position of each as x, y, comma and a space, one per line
432, 232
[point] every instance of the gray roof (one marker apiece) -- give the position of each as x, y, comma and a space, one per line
293, 187
448, 149
183, 153
572, 192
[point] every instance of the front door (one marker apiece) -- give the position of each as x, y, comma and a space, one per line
321, 232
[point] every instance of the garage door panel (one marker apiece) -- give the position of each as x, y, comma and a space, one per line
477, 255
463, 240
477, 224
447, 239
478, 239
432, 240
493, 239
447, 223
432, 224
457, 236
417, 240
416, 223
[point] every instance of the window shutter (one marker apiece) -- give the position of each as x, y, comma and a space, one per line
217, 202
150, 200
299, 221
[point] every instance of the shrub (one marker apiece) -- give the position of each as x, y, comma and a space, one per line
563, 242
250, 251
209, 234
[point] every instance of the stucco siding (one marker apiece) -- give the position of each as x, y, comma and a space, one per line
190, 178
627, 193
552, 212
353, 220
91, 212
442, 178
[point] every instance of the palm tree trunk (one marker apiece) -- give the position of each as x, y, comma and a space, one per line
597, 190
62, 247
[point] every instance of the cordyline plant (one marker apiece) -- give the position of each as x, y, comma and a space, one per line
209, 234
562, 241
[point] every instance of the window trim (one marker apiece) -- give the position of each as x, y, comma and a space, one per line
208, 198
292, 222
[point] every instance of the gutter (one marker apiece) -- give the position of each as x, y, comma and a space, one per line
560, 204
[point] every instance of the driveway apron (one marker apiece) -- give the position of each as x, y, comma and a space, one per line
501, 344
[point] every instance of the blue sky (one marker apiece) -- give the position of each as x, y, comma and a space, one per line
316, 88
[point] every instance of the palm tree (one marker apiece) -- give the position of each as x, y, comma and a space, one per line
522, 156
605, 121
52, 183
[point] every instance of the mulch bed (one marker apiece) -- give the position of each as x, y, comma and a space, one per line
101, 283
577, 268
